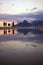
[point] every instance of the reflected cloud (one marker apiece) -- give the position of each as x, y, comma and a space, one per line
31, 44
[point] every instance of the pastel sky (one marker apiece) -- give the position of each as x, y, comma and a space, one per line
20, 6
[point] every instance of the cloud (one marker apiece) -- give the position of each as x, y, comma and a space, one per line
1, 3
21, 17
27, 9
35, 8
28, 19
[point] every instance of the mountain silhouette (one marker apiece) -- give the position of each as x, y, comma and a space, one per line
23, 24
36, 23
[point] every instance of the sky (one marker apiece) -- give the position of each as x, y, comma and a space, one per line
20, 6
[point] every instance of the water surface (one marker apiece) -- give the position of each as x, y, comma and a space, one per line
21, 47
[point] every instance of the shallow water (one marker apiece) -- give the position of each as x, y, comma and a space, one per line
21, 47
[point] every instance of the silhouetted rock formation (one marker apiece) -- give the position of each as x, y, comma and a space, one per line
23, 24
36, 23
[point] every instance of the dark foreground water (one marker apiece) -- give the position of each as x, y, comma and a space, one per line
21, 47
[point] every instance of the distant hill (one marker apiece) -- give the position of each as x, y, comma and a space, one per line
36, 23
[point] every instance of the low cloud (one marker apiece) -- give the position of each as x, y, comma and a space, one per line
27, 16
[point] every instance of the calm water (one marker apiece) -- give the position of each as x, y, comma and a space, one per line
21, 47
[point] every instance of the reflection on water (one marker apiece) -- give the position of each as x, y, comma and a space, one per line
8, 31
26, 35
21, 47
24, 31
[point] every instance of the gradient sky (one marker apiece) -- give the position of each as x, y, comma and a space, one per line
20, 6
